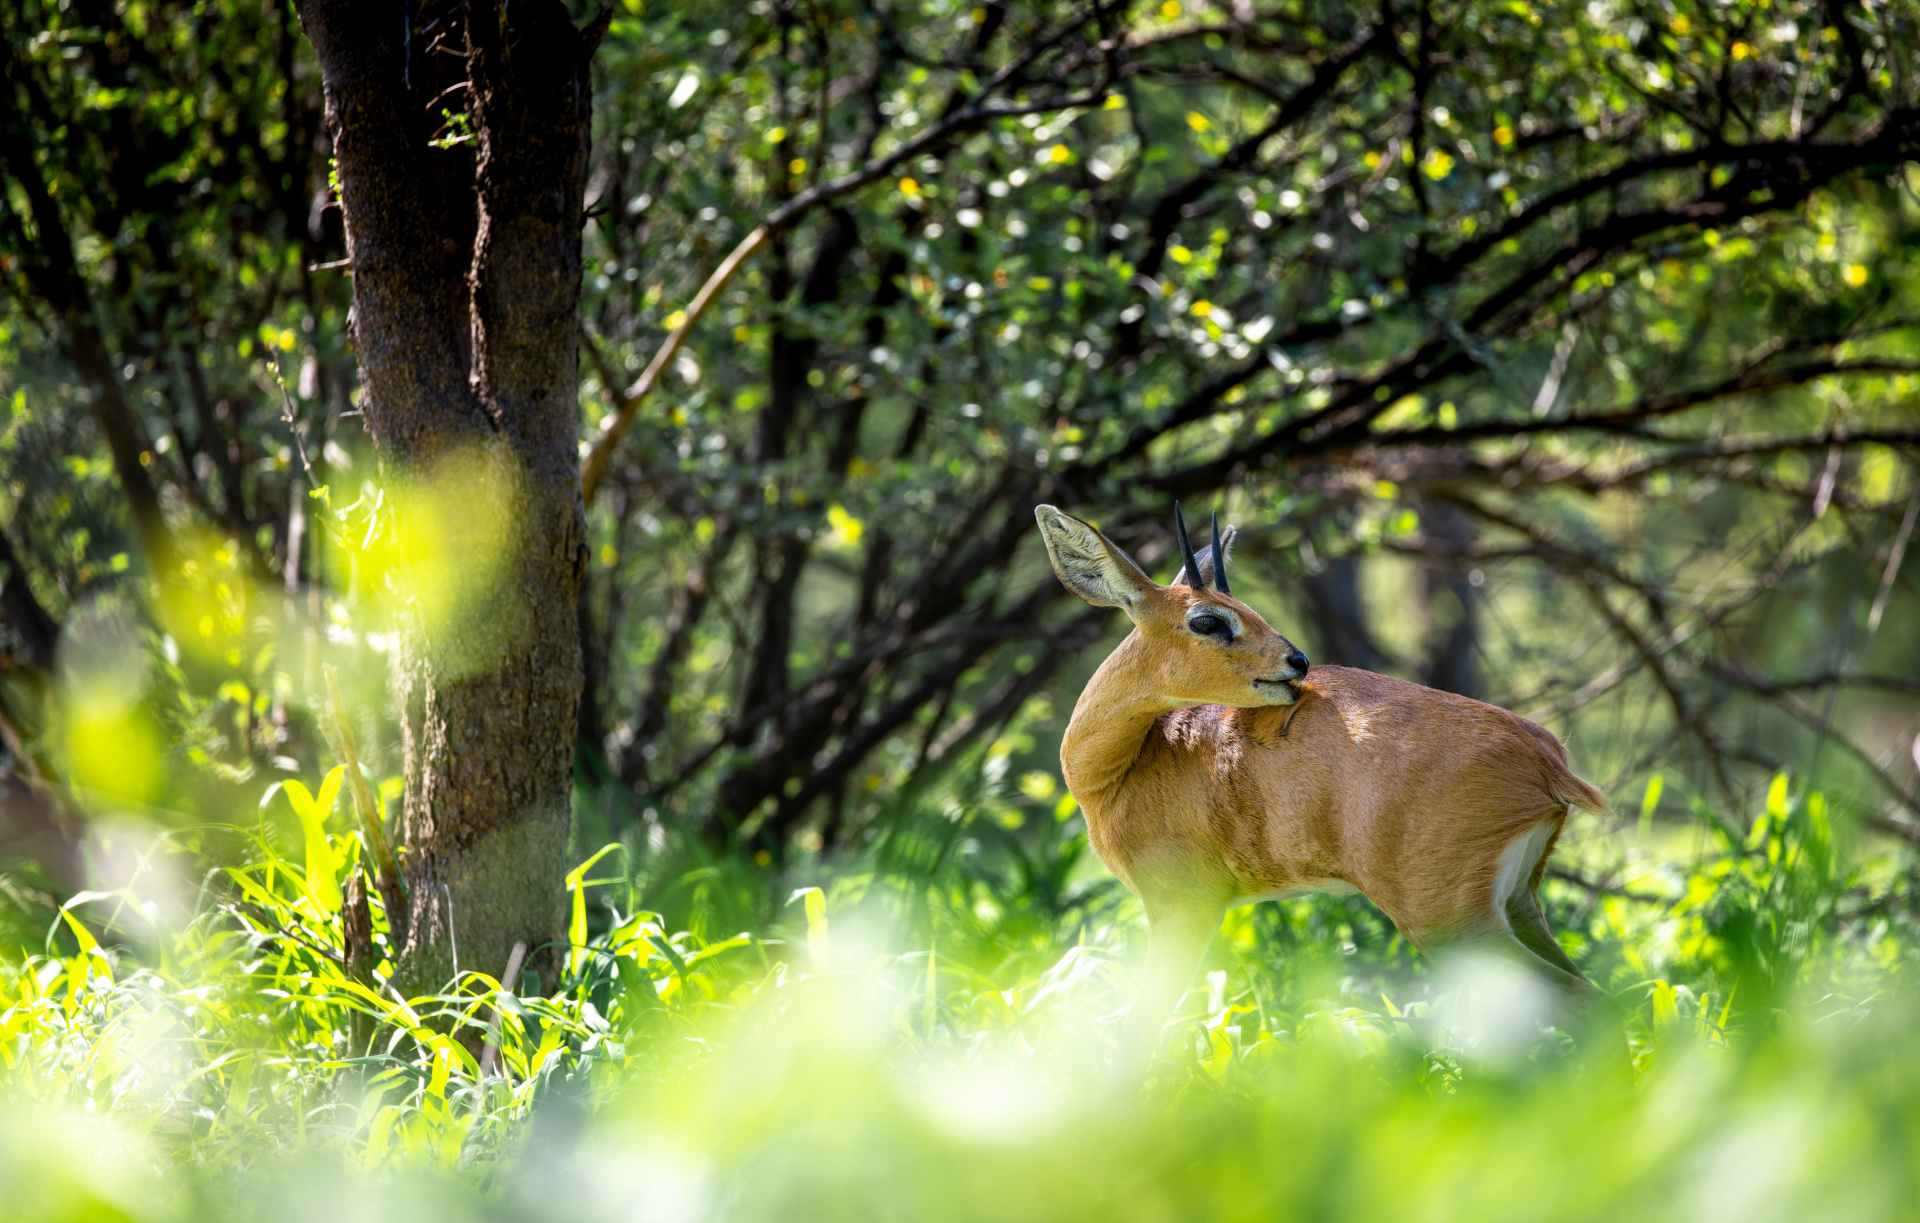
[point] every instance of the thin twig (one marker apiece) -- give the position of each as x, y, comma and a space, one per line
491, 1054
615, 424
293, 425
1893, 570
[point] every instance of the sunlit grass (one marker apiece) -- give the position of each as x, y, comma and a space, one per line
1758, 1062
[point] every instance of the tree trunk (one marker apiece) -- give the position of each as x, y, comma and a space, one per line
1341, 615
464, 240
1453, 636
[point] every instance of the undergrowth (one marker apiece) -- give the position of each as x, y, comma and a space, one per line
933, 1043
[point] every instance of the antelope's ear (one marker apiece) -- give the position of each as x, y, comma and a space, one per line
1205, 556
1088, 564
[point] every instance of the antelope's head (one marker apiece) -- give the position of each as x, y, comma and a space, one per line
1210, 648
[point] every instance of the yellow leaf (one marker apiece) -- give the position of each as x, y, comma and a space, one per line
1877, 469
380, 1135
1650, 802
550, 1041
816, 905
846, 528
321, 863
1220, 1055
330, 790
1197, 121
1665, 1011
88, 944
442, 1068
577, 926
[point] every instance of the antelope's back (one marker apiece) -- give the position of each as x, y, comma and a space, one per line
1410, 792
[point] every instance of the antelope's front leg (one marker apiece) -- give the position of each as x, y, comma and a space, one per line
1178, 930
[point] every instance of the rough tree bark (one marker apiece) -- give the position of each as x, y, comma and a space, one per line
464, 240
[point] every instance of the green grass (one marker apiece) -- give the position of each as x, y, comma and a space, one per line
931, 1043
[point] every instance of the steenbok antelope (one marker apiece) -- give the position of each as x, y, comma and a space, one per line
1214, 770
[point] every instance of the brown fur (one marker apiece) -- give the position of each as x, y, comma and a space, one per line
1203, 787
1406, 793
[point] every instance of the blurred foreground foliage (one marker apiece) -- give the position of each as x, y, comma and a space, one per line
935, 1047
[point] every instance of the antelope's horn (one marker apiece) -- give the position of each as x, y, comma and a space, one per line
1186, 550
1219, 560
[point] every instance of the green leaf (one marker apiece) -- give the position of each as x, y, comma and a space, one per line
299, 796
322, 863
88, 944
330, 790
1651, 802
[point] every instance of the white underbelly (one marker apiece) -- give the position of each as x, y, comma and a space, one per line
1308, 887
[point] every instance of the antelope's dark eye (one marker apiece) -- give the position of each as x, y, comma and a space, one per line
1208, 625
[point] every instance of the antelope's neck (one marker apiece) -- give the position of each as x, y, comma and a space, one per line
1109, 725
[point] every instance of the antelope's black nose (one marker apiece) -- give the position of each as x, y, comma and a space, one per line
1297, 661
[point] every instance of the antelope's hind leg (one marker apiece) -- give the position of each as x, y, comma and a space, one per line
1529, 927
1591, 1011
1519, 912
